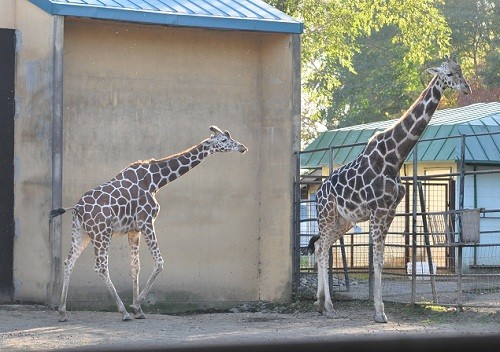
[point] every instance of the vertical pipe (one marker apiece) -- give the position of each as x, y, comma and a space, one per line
414, 227
344, 263
296, 114
460, 227
296, 226
57, 144
330, 252
370, 264
475, 207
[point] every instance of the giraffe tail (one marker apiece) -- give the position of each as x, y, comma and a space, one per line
310, 246
59, 211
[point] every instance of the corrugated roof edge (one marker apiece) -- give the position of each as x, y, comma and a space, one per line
170, 19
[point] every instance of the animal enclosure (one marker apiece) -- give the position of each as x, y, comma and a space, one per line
443, 245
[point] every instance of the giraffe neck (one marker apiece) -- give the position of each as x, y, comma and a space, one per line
407, 131
172, 167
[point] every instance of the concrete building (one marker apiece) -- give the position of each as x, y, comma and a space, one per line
95, 86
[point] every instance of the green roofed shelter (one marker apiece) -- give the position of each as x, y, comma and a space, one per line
435, 144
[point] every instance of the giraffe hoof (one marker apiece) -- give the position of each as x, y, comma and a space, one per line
331, 314
140, 316
126, 318
380, 318
319, 306
63, 318
137, 310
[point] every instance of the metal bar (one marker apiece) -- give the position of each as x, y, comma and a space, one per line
370, 267
469, 172
427, 243
330, 252
296, 232
414, 227
344, 263
460, 227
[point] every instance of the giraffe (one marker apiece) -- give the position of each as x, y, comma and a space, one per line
369, 187
127, 205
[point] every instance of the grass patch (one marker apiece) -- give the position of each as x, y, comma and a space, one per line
425, 313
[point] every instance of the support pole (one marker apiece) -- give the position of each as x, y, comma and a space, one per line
427, 243
460, 225
414, 228
57, 145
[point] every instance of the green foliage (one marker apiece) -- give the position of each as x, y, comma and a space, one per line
490, 71
475, 29
365, 60
382, 87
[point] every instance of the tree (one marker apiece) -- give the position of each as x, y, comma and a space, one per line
331, 40
382, 87
475, 38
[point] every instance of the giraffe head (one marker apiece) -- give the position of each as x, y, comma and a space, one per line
451, 74
222, 142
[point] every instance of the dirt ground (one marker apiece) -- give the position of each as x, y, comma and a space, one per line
35, 328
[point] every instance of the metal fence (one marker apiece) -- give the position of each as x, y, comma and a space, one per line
437, 250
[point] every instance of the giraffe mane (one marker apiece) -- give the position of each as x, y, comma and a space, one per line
176, 155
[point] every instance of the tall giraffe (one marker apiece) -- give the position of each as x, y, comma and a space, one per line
126, 205
369, 187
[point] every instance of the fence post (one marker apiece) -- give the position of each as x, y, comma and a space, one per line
427, 242
330, 251
296, 226
460, 227
414, 227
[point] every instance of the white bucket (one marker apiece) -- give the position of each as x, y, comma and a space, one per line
422, 268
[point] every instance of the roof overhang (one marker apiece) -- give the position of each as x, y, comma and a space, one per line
245, 15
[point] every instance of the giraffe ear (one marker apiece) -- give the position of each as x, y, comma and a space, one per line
215, 130
226, 132
434, 70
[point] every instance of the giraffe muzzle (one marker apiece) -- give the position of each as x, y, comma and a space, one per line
242, 149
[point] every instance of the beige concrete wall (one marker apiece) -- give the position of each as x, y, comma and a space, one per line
32, 149
8, 14
136, 92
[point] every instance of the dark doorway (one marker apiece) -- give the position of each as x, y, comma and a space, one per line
7, 111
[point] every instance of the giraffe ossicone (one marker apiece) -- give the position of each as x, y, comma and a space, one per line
369, 187
126, 204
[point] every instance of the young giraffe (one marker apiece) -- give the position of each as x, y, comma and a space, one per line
369, 187
126, 205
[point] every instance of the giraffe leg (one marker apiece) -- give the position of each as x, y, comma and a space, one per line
379, 227
323, 296
79, 240
101, 266
320, 293
135, 266
150, 238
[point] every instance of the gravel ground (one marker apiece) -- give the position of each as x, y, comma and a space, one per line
297, 326
35, 328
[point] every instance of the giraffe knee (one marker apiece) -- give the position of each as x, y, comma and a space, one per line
159, 265
100, 268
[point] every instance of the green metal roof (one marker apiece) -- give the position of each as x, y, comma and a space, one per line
471, 119
250, 15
